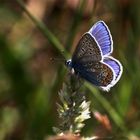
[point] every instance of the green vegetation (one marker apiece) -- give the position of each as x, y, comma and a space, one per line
35, 39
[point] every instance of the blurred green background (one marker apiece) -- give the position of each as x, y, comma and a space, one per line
32, 69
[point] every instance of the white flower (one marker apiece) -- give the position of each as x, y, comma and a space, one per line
85, 113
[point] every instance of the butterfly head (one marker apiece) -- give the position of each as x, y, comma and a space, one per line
68, 63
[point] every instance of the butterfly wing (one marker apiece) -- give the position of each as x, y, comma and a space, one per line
116, 66
97, 73
91, 58
87, 50
103, 37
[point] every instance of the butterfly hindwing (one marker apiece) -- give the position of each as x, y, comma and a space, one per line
96, 73
115, 65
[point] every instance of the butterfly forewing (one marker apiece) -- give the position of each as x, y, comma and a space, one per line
87, 50
103, 36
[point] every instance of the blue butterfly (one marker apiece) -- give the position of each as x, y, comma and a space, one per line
92, 61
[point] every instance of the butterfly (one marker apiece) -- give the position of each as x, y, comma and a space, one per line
92, 58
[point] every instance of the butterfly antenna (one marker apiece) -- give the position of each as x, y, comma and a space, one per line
58, 59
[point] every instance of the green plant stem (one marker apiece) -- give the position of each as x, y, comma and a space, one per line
61, 72
42, 27
114, 115
75, 24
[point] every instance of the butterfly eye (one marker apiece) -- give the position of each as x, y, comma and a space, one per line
68, 63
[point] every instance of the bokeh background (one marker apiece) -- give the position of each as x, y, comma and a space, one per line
34, 39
